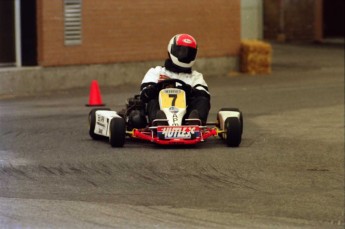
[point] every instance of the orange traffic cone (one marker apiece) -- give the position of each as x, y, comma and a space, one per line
95, 99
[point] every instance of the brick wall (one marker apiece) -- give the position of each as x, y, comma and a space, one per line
299, 19
123, 31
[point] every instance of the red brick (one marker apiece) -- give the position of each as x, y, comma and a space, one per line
122, 31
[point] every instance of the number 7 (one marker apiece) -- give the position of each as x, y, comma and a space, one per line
174, 96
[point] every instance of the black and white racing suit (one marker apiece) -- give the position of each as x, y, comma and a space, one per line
199, 99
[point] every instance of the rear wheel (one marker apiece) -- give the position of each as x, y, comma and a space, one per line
117, 133
233, 134
92, 123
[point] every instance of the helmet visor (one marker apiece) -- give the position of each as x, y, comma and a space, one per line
184, 54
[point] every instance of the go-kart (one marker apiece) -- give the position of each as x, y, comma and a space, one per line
174, 130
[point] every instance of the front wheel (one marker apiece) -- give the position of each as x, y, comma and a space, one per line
117, 133
233, 135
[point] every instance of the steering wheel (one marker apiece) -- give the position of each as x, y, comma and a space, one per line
162, 84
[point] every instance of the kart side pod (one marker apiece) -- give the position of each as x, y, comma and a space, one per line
99, 120
223, 115
105, 123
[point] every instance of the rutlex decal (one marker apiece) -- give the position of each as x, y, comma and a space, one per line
177, 132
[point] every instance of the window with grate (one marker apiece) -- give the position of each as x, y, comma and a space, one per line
73, 22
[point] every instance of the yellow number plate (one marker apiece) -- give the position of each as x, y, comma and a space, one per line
172, 98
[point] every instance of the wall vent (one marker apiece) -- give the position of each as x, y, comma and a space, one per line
73, 22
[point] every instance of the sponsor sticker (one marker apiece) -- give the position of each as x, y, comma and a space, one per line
178, 132
172, 91
173, 110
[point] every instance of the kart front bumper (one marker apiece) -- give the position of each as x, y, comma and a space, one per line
149, 136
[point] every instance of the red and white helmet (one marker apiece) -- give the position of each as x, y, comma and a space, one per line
182, 50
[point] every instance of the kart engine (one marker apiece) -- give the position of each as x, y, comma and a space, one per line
136, 113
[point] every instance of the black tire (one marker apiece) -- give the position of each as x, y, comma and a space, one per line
233, 135
117, 134
92, 123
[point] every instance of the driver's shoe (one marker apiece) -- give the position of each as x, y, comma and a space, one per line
161, 119
194, 115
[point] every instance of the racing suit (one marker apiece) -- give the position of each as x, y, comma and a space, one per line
199, 96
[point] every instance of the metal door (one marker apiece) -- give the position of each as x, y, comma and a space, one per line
7, 33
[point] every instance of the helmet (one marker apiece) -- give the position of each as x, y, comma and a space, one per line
182, 50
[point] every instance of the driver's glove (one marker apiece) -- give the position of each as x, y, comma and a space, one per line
148, 93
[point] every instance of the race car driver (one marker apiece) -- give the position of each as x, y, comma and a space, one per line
182, 51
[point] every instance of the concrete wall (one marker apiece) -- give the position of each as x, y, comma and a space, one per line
251, 19
34, 80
